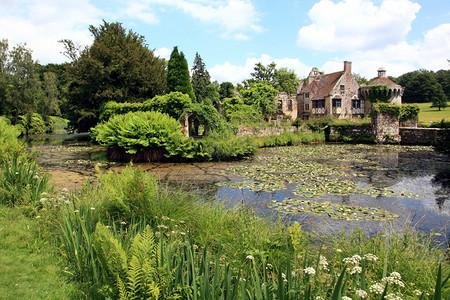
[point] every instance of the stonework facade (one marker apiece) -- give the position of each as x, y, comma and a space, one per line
336, 94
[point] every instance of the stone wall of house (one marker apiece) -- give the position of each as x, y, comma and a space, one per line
423, 136
385, 128
265, 131
357, 134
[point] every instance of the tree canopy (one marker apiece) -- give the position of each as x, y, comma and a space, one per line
421, 86
283, 79
200, 78
178, 79
118, 66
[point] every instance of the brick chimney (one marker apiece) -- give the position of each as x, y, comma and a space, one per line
347, 67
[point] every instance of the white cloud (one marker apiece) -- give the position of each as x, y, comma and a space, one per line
41, 23
351, 25
234, 17
163, 53
429, 53
236, 73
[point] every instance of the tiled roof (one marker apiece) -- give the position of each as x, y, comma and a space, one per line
321, 87
384, 80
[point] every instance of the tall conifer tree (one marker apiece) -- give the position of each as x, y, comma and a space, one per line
178, 79
200, 78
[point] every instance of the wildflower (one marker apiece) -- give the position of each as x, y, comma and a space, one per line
42, 200
92, 208
195, 247
355, 270
376, 288
162, 226
76, 211
183, 233
370, 257
319, 298
269, 267
107, 226
346, 298
242, 279
361, 293
37, 217
392, 297
339, 250
354, 260
123, 223
44, 194
172, 232
418, 292
310, 271
182, 222
250, 257
283, 275
323, 264
165, 218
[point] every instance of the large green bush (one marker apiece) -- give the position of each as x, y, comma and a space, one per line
140, 130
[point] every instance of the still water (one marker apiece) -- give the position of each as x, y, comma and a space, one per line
326, 188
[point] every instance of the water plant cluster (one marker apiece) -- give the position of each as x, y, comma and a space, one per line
129, 236
313, 176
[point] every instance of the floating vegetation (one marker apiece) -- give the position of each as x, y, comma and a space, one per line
333, 210
315, 170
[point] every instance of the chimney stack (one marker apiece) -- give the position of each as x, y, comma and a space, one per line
347, 67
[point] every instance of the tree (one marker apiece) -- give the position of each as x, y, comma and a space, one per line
439, 99
200, 78
361, 80
226, 90
23, 87
178, 79
49, 102
443, 77
118, 66
283, 80
420, 86
262, 96
212, 95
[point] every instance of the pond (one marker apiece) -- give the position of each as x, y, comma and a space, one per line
326, 187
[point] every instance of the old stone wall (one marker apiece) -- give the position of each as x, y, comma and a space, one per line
265, 131
385, 128
423, 136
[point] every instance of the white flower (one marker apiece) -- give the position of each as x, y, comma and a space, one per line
392, 297
339, 250
183, 233
250, 257
319, 298
309, 270
361, 293
354, 260
323, 264
242, 279
92, 208
269, 267
376, 288
37, 217
76, 211
123, 223
418, 292
346, 298
195, 247
355, 270
370, 257
283, 275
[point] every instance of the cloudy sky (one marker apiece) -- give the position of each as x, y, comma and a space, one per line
232, 35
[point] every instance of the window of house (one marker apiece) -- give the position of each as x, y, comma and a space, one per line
307, 106
306, 95
289, 105
342, 88
356, 103
318, 103
337, 102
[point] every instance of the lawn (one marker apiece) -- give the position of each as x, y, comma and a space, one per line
30, 267
428, 114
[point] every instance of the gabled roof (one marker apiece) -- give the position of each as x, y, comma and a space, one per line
384, 80
321, 87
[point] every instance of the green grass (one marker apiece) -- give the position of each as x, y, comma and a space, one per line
428, 113
30, 266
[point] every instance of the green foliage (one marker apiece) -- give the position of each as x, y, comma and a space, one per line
238, 113
385, 108
409, 112
222, 146
173, 104
9, 143
379, 93
137, 131
423, 86
226, 90
33, 123
262, 96
200, 79
178, 78
119, 67
289, 139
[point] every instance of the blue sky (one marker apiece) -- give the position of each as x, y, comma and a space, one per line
232, 35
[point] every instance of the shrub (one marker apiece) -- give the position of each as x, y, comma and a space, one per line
33, 124
137, 131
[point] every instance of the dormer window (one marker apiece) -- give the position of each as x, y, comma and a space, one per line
306, 95
342, 88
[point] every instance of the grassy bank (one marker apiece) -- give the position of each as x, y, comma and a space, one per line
432, 114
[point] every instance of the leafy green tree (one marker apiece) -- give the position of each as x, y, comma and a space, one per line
262, 96
119, 67
283, 80
200, 78
420, 86
23, 87
439, 99
172, 104
443, 77
212, 95
361, 80
3, 75
178, 79
226, 90
49, 102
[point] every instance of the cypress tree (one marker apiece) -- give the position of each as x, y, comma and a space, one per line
178, 79
200, 78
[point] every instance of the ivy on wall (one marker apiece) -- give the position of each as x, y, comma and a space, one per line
379, 93
402, 112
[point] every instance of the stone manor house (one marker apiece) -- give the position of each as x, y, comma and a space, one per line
335, 94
